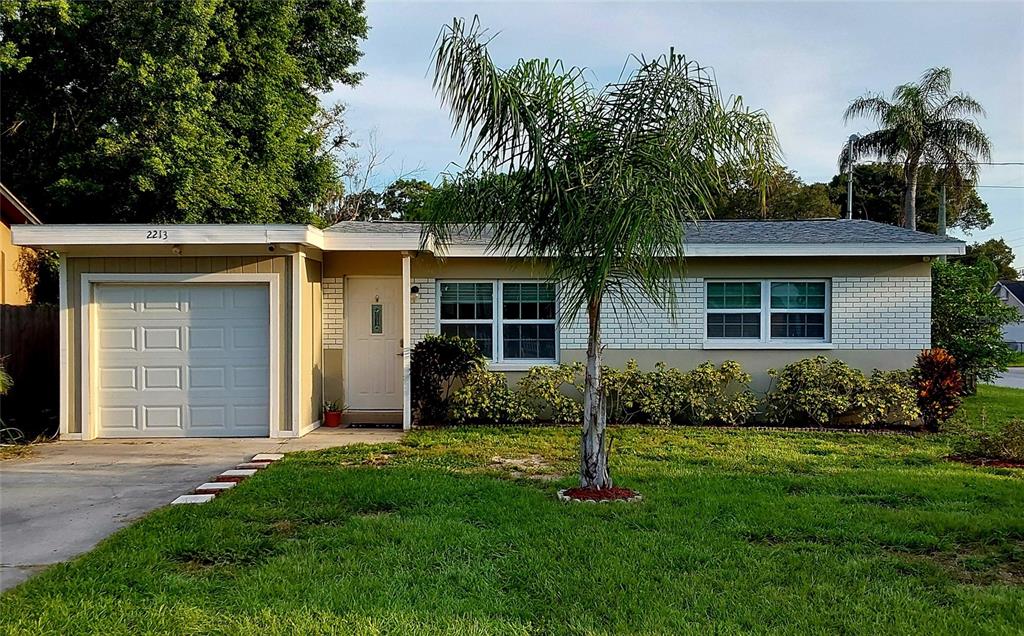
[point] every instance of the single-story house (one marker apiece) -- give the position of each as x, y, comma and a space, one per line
1011, 292
244, 330
12, 212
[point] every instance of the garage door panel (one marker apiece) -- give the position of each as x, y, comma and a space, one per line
163, 417
183, 360
162, 378
117, 339
119, 378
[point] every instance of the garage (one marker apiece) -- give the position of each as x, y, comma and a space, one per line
181, 360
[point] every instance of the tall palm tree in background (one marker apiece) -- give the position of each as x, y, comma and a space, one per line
923, 123
597, 183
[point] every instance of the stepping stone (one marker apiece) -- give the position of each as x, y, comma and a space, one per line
267, 457
192, 499
214, 487
252, 466
235, 474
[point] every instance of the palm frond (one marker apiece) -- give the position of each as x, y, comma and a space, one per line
873, 106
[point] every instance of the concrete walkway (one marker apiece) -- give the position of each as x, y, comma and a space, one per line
67, 496
1013, 378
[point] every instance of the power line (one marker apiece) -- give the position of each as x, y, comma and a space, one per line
1011, 187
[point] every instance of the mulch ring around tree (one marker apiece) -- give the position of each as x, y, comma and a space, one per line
991, 463
599, 495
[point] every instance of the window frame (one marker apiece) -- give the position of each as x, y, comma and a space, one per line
497, 321
766, 311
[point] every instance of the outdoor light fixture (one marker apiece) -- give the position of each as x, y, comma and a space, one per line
414, 292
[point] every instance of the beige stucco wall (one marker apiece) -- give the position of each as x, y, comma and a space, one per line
311, 354
236, 264
11, 290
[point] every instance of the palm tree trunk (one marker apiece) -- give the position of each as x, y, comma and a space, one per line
910, 198
594, 450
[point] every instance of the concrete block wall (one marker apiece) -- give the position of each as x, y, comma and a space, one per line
644, 325
882, 312
334, 313
423, 311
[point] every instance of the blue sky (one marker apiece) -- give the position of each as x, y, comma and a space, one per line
801, 62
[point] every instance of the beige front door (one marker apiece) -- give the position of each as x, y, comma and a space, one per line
373, 343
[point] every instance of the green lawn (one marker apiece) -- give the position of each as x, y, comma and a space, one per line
992, 406
459, 531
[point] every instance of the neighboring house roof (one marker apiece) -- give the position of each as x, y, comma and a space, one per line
1011, 292
14, 210
834, 237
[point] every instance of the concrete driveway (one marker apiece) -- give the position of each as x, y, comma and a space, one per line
67, 496
1013, 378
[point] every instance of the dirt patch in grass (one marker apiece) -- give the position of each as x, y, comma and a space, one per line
980, 461
975, 565
529, 467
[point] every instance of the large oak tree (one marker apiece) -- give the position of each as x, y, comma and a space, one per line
172, 110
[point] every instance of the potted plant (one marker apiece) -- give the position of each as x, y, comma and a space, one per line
332, 413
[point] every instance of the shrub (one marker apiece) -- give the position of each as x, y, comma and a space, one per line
705, 395
818, 390
485, 398
718, 394
891, 398
1005, 445
544, 390
438, 363
624, 391
939, 386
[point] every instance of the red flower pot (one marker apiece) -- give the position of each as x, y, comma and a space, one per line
332, 418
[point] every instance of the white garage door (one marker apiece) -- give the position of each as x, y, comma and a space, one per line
182, 360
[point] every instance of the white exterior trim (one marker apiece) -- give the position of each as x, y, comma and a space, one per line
56, 236
64, 355
406, 342
707, 250
140, 234
88, 359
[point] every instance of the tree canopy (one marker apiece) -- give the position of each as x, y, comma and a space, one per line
172, 111
995, 251
785, 196
878, 190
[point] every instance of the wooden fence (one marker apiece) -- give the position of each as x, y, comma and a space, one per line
29, 348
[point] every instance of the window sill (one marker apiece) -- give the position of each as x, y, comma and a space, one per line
520, 366
775, 346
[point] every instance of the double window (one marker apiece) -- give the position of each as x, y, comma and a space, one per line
510, 321
764, 311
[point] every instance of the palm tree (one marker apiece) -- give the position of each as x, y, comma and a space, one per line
923, 123
597, 184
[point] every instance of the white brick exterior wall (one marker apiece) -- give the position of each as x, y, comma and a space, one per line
424, 310
334, 313
867, 313
882, 312
645, 326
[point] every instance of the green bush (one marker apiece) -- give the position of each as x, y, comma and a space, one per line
718, 395
438, 364
891, 398
544, 390
624, 391
708, 394
485, 398
828, 392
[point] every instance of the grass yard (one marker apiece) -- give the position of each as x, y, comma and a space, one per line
459, 531
992, 406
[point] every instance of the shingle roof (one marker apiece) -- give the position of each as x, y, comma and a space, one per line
825, 231
1015, 287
